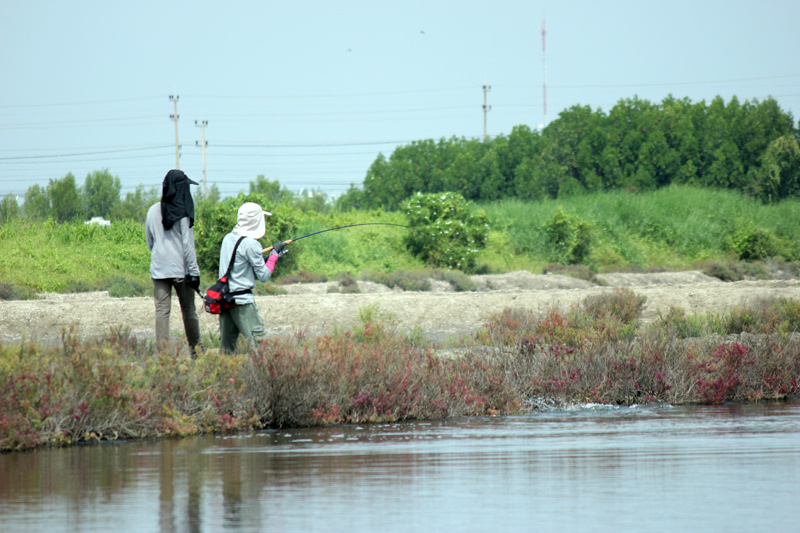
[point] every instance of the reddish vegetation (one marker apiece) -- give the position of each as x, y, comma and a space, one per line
118, 387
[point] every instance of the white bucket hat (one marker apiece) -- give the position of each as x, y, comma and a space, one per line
250, 221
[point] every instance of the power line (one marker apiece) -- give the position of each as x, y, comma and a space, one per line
79, 154
93, 102
322, 145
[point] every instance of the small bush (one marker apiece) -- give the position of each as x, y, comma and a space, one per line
9, 291
724, 271
402, 279
675, 322
411, 281
459, 281
83, 286
376, 277
576, 271
623, 304
449, 231
752, 243
569, 237
268, 289
738, 271
303, 276
347, 284
121, 287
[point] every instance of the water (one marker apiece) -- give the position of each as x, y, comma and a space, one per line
655, 468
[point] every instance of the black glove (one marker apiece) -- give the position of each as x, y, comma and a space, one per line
280, 248
192, 281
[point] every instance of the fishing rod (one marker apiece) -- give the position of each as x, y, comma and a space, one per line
266, 250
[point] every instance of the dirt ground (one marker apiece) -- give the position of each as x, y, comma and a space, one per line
440, 314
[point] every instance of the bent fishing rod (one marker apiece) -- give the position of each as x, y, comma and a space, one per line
266, 250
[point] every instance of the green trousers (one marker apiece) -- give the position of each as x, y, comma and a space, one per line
244, 320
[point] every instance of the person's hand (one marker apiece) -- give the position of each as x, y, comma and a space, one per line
280, 248
193, 282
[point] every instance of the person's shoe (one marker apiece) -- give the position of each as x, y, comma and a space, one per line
196, 351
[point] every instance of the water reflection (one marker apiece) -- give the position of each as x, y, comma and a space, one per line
717, 468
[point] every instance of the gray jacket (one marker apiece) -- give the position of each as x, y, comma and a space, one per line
248, 265
172, 253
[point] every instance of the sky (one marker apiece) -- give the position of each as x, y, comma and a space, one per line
309, 93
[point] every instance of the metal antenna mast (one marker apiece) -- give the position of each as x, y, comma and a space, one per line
544, 68
174, 100
203, 143
486, 108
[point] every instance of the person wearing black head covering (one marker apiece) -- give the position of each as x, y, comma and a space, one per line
176, 199
173, 260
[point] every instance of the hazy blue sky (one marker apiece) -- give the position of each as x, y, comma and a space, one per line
309, 92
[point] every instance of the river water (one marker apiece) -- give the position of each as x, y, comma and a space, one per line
594, 468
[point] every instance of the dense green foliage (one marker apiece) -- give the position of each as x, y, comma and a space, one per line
751, 147
215, 220
448, 230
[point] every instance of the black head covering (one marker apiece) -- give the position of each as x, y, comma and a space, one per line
176, 199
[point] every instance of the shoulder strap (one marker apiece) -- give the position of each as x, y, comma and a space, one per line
233, 257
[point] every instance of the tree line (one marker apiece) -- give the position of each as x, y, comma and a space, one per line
747, 146
750, 146
63, 200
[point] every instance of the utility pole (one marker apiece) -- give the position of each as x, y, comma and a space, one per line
486, 108
544, 69
174, 100
203, 143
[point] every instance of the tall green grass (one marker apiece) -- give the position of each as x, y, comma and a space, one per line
674, 227
51, 257
353, 250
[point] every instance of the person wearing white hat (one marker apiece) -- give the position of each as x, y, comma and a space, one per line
173, 261
248, 265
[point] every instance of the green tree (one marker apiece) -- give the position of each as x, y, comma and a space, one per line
352, 199
313, 201
9, 209
522, 144
136, 204
36, 204
100, 193
574, 142
779, 175
463, 173
271, 189
381, 186
213, 195
526, 184
64, 198
492, 181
